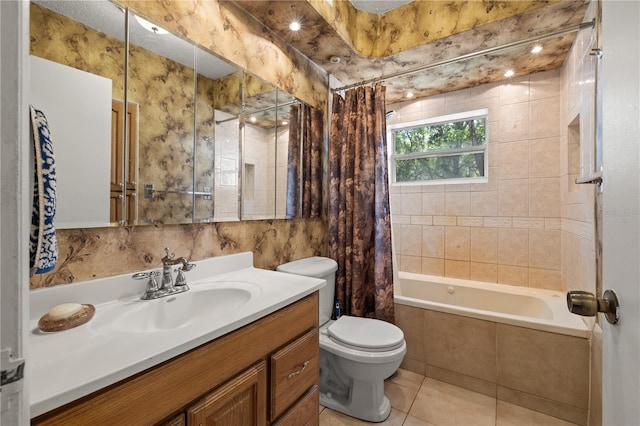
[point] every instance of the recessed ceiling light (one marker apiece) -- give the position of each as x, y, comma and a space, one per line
151, 27
509, 73
410, 94
294, 26
536, 49
253, 119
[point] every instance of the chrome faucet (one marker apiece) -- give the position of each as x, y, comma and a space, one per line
167, 286
168, 261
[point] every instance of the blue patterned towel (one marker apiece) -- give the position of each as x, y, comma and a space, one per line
43, 244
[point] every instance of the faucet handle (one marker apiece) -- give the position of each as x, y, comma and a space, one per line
152, 284
168, 255
181, 280
140, 275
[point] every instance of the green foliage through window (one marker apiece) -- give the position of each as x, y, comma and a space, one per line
452, 147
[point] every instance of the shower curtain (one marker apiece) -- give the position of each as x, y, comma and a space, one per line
359, 215
304, 177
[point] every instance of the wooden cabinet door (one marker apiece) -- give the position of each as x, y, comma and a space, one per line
119, 157
241, 401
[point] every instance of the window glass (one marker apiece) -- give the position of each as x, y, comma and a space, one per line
451, 147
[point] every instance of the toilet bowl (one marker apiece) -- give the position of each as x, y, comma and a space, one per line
356, 354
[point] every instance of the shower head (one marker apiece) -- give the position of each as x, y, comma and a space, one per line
390, 115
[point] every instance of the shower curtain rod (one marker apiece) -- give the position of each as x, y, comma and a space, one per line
572, 29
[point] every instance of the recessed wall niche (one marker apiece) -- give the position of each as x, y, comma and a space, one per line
573, 154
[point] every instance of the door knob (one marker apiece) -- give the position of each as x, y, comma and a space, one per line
586, 304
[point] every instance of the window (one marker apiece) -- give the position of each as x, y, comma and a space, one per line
451, 148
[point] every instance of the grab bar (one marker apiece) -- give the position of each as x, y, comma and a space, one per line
150, 192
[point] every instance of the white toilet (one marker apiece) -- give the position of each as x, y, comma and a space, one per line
356, 354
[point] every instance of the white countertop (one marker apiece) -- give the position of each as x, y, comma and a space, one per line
66, 365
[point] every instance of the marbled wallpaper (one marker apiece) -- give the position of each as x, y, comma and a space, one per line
86, 254
416, 23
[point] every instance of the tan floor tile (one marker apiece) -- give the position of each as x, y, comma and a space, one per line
333, 418
407, 378
513, 415
400, 396
443, 404
413, 421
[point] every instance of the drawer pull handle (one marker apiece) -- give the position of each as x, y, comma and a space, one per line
295, 373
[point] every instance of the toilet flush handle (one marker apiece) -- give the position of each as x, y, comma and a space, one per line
586, 304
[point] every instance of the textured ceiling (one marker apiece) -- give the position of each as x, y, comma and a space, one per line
104, 16
378, 6
422, 33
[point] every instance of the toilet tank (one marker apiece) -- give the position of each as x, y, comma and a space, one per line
317, 267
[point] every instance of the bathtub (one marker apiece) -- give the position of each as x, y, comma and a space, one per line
538, 309
516, 344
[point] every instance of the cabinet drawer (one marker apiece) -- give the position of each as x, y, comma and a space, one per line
304, 412
294, 369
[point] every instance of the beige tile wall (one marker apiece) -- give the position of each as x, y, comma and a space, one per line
578, 265
542, 371
578, 270
507, 230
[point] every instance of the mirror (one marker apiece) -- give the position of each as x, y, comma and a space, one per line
161, 93
178, 146
258, 148
217, 139
77, 75
265, 139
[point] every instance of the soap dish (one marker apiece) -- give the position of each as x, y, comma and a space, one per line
48, 324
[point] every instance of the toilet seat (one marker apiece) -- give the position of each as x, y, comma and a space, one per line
366, 334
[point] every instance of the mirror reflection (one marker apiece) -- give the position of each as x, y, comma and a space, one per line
180, 146
259, 129
271, 168
161, 89
77, 80
217, 152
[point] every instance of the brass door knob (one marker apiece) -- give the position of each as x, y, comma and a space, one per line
588, 305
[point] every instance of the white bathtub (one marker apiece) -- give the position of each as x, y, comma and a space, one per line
538, 309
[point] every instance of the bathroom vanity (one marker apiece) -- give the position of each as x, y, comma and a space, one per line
255, 365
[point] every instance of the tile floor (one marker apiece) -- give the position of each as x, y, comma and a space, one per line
420, 401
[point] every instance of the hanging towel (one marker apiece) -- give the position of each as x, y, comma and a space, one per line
43, 244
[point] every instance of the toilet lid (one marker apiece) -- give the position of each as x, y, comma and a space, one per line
366, 333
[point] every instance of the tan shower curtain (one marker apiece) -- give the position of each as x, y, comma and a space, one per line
359, 218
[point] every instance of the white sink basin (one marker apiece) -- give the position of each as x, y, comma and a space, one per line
204, 301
